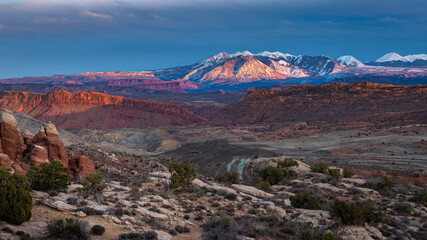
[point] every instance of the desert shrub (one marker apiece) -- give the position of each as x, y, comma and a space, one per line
73, 201
15, 199
219, 228
288, 163
49, 176
68, 228
402, 208
231, 196
420, 196
149, 235
306, 200
356, 213
320, 167
183, 174
334, 173
272, 175
228, 177
90, 211
347, 172
308, 232
8, 230
135, 193
182, 229
93, 184
264, 185
97, 230
386, 184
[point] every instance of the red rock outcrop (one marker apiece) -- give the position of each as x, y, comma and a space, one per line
12, 143
81, 166
48, 138
97, 110
364, 102
42, 148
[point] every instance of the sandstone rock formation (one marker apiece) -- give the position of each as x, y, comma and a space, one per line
20, 152
81, 166
97, 111
12, 143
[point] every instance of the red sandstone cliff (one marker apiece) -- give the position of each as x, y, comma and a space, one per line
339, 102
97, 110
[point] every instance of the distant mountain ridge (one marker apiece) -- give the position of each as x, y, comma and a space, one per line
225, 71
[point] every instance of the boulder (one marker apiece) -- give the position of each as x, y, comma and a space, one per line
5, 161
81, 167
37, 155
251, 190
277, 212
60, 205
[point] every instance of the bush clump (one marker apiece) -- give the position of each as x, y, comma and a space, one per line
320, 167
420, 196
347, 172
264, 185
273, 175
149, 235
334, 173
49, 177
228, 177
308, 232
68, 228
93, 184
356, 213
306, 200
97, 230
219, 228
386, 184
15, 199
183, 174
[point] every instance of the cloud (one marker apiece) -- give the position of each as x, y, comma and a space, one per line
158, 17
51, 20
95, 15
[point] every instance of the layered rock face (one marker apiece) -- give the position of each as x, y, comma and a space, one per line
20, 152
97, 110
364, 102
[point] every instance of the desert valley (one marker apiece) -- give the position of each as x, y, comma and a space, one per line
249, 153
213, 120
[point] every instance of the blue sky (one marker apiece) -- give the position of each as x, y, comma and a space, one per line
46, 37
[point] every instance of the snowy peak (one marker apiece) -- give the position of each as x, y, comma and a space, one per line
241, 54
276, 54
350, 61
391, 57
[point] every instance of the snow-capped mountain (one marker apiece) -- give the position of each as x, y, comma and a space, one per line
244, 69
395, 60
350, 61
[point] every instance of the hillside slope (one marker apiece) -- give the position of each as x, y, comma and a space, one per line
338, 102
97, 110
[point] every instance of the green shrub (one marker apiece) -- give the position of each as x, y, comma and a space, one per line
264, 185
320, 167
68, 228
356, 213
334, 173
308, 232
49, 176
183, 174
97, 230
272, 175
386, 184
93, 184
421, 196
287, 163
347, 172
228, 177
306, 200
148, 235
15, 199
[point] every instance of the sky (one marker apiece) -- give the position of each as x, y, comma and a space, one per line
46, 37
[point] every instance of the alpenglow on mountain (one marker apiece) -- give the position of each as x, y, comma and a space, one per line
239, 70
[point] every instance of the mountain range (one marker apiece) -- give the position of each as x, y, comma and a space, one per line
225, 71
